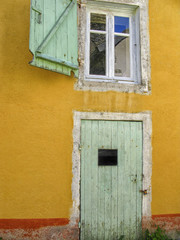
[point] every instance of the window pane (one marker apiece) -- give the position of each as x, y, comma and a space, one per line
98, 54
121, 24
98, 21
122, 56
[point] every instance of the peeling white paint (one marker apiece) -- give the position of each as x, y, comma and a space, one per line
145, 117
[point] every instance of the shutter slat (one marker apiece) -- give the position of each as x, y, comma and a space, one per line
56, 25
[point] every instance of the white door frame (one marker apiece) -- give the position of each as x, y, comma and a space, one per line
145, 117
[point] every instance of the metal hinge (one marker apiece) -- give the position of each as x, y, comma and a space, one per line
36, 10
39, 14
144, 191
79, 3
79, 62
80, 147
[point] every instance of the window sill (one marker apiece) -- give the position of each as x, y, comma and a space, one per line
110, 85
101, 79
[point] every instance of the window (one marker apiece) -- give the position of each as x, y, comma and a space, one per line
111, 47
112, 50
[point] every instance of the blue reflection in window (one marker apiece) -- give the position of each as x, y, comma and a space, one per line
121, 24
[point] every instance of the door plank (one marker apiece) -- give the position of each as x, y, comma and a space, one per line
94, 179
121, 171
114, 213
101, 186
133, 176
87, 179
107, 138
139, 152
82, 187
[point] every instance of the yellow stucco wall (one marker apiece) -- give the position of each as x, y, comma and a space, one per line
36, 118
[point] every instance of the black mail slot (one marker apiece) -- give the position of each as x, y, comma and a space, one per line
107, 157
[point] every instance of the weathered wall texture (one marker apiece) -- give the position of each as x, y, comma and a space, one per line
36, 121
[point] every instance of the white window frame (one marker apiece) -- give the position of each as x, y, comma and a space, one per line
139, 82
110, 64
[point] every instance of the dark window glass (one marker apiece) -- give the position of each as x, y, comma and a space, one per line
107, 157
121, 24
97, 54
98, 22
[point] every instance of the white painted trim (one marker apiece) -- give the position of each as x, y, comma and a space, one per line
110, 63
145, 117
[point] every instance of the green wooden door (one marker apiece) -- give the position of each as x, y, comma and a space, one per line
111, 204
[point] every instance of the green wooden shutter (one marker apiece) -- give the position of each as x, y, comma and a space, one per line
53, 35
